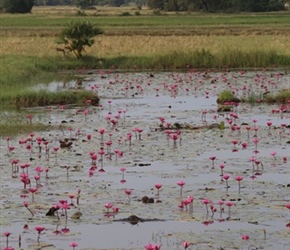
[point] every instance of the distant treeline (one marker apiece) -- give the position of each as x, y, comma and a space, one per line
219, 5
166, 5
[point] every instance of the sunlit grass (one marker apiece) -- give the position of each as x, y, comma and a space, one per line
113, 46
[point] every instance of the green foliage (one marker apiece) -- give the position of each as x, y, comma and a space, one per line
126, 13
271, 20
140, 3
84, 4
16, 6
222, 125
116, 3
227, 96
281, 97
156, 4
182, 5
34, 98
76, 35
217, 5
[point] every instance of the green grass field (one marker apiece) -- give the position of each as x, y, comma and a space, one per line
113, 23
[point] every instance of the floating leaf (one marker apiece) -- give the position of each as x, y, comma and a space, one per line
222, 125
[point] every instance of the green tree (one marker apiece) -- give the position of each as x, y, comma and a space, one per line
140, 3
17, 6
75, 36
156, 4
83, 4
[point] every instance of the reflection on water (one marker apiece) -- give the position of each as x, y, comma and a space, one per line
126, 236
58, 86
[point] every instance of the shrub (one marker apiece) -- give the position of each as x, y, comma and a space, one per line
126, 13
75, 36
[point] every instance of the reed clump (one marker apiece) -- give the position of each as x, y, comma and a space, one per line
281, 97
227, 96
34, 98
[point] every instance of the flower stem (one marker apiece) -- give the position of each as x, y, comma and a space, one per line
30, 211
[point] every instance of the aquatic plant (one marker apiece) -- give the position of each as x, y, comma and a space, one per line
152, 247
221, 203
212, 158
206, 202
73, 245
7, 234
229, 204
36, 98
39, 230
158, 186
222, 166
226, 97
32, 191
239, 178
128, 192
226, 178
123, 170
245, 237
181, 184
25, 204
186, 244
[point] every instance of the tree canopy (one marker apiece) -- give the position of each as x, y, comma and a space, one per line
218, 5
16, 6
181, 5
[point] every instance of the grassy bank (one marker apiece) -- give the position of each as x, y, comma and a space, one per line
33, 98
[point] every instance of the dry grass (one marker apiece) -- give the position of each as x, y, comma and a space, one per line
100, 10
111, 46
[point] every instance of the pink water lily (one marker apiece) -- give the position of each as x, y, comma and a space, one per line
158, 186
186, 244
73, 245
245, 237
181, 184
239, 179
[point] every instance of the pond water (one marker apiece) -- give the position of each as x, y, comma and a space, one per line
137, 103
